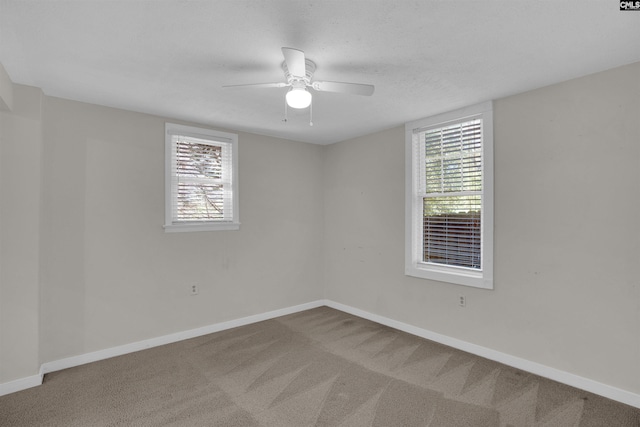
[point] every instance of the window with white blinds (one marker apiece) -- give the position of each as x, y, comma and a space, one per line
201, 179
449, 197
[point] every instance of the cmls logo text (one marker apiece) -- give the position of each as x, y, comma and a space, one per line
629, 5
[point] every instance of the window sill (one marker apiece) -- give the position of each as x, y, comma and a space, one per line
186, 227
455, 276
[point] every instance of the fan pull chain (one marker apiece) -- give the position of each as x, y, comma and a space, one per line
285, 111
311, 113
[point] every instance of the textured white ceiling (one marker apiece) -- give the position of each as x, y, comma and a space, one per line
172, 58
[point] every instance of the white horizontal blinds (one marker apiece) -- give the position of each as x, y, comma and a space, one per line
201, 180
452, 233
452, 194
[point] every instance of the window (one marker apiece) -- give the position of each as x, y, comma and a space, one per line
449, 198
201, 179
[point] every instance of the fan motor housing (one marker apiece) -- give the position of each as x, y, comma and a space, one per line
310, 68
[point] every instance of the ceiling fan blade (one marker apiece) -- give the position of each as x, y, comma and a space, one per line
294, 59
259, 85
352, 88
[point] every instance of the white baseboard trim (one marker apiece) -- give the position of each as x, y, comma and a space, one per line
20, 384
70, 362
107, 353
614, 393
573, 380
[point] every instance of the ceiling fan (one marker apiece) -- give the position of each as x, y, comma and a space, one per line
298, 71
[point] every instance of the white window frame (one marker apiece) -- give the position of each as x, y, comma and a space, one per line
414, 266
228, 140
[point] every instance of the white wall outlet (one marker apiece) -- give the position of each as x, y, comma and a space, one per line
462, 301
194, 290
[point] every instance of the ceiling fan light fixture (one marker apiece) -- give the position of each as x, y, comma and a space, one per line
298, 98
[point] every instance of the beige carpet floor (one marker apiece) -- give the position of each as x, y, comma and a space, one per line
320, 367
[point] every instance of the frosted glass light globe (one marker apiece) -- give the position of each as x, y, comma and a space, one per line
298, 98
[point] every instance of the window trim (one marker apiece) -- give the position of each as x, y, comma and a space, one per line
216, 137
414, 266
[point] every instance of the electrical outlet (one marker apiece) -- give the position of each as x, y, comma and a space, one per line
194, 289
462, 301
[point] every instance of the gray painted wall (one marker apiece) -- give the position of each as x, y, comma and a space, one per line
115, 277
102, 272
567, 238
20, 210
